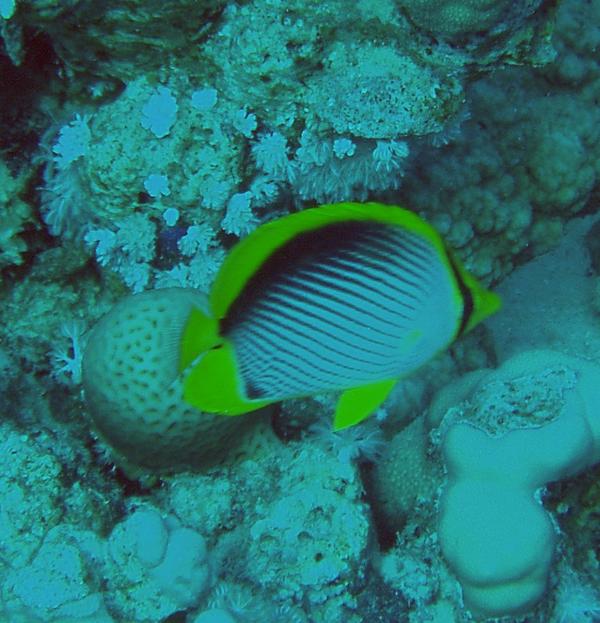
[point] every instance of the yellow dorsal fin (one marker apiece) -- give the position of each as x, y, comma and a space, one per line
213, 386
248, 255
354, 405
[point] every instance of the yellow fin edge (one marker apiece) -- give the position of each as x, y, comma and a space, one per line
212, 384
200, 333
355, 405
250, 253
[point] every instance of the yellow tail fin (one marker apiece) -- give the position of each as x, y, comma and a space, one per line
213, 385
201, 333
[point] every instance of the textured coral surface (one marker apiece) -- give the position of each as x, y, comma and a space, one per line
139, 141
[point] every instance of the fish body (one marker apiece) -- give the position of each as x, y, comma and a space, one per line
345, 297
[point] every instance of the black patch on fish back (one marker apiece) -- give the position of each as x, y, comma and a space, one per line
305, 249
252, 391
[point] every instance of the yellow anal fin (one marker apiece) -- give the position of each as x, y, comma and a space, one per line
212, 385
357, 404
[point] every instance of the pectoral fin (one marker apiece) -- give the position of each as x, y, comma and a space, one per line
357, 404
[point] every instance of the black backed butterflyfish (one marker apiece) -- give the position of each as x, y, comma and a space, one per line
345, 297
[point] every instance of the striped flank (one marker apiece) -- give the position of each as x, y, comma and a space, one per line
347, 305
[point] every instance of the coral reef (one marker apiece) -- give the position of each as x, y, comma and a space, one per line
133, 389
139, 141
15, 215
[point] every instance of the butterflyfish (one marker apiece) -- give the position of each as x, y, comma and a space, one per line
347, 297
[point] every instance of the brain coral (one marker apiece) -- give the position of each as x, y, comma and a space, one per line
133, 386
457, 18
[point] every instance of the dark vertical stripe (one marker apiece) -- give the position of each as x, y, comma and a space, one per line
303, 319
467, 298
321, 299
369, 263
327, 274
